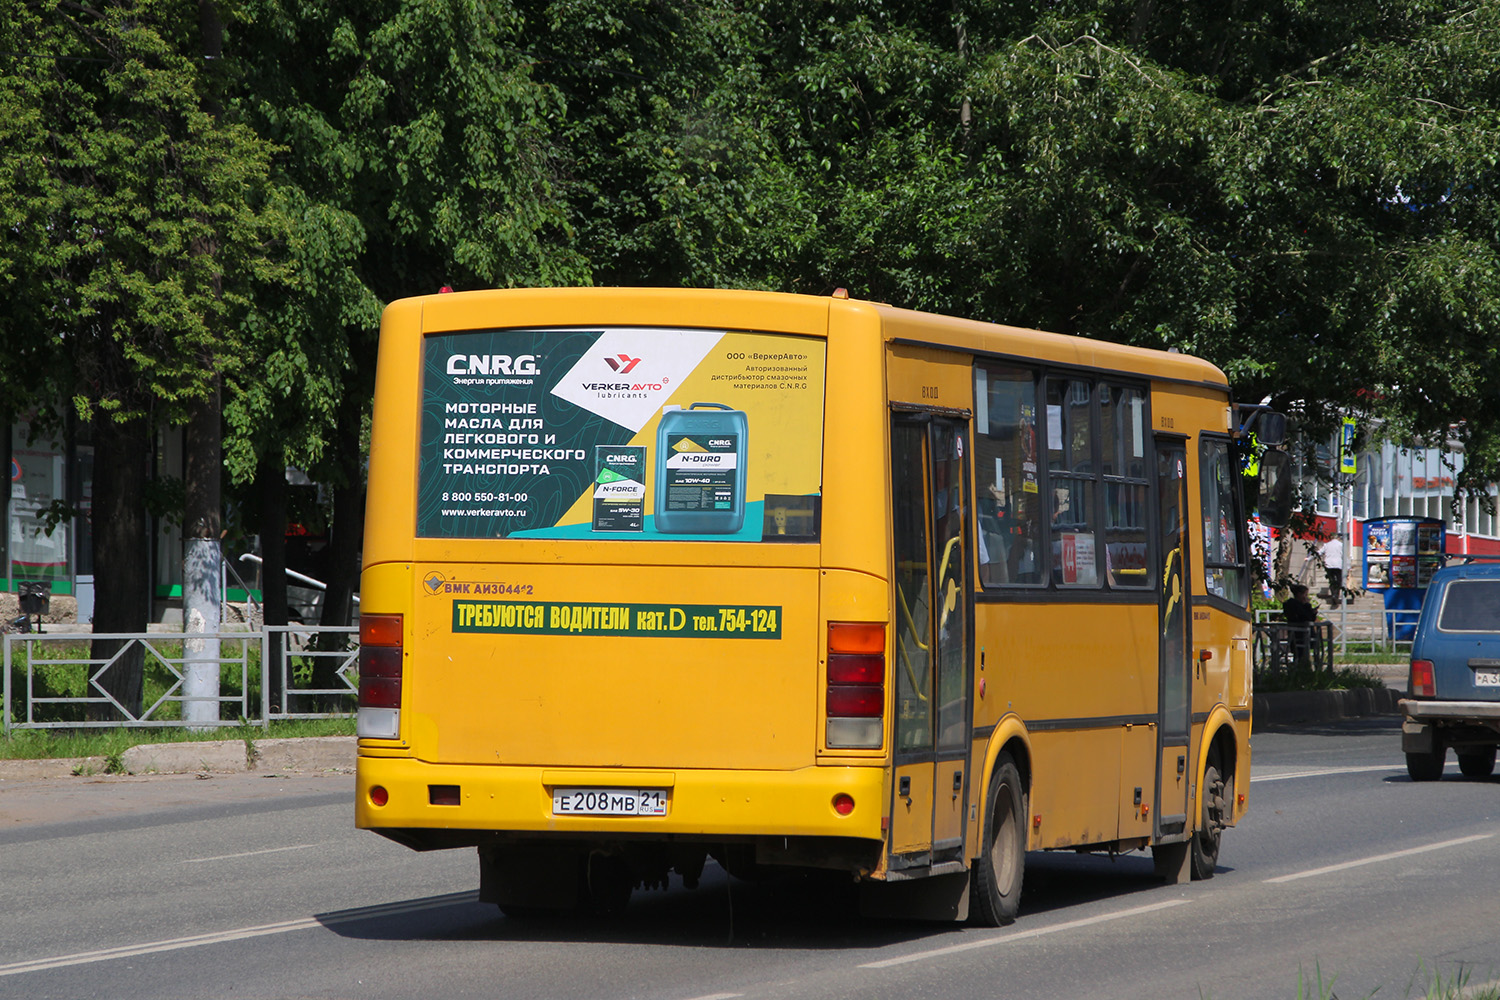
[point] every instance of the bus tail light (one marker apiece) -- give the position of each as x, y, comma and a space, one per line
855, 697
1420, 683
380, 656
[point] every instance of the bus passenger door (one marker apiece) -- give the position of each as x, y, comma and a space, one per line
1175, 771
933, 644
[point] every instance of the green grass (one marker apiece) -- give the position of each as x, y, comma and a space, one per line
1424, 985
1317, 680
48, 744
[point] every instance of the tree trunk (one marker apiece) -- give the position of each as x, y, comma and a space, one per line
122, 574
344, 545
270, 484
202, 554
202, 597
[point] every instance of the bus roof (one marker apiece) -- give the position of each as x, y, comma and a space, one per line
806, 314
995, 338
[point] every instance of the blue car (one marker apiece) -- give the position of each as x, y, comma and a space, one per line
1453, 689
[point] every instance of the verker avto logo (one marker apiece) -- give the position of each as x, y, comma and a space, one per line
622, 363
492, 364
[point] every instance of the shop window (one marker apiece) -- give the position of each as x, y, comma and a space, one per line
36, 480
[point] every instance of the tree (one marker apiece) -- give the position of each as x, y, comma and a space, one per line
141, 222
415, 155
1305, 195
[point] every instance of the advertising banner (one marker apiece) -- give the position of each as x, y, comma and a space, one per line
621, 433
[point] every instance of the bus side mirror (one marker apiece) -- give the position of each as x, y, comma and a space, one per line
1275, 497
1271, 429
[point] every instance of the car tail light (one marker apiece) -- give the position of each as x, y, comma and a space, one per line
855, 697
1419, 682
380, 663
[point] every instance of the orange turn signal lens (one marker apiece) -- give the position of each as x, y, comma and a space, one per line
856, 637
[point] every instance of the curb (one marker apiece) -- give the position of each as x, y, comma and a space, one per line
313, 754
1288, 708
336, 754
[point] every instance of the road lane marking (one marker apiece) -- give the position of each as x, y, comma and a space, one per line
1025, 935
239, 934
248, 854
1319, 772
1381, 857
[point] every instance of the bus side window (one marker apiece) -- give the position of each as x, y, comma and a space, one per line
1072, 472
1122, 431
1223, 528
1009, 506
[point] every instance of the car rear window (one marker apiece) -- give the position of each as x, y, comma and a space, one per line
1471, 606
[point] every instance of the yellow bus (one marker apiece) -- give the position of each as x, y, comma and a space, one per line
653, 576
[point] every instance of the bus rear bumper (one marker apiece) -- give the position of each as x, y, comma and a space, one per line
699, 803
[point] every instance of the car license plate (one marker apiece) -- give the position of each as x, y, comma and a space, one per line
1487, 678
609, 802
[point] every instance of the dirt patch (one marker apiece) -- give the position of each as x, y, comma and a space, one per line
61, 609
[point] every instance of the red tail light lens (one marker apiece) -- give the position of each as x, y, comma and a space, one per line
379, 677
1419, 682
856, 668
855, 701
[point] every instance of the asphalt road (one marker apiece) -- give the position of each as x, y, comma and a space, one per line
258, 887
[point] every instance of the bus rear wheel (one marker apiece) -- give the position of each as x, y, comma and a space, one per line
1211, 820
1001, 867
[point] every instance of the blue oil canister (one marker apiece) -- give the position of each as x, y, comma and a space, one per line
700, 470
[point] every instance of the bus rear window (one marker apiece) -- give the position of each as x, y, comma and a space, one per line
623, 433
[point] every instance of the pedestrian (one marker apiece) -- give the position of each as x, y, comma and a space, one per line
1297, 609
1332, 555
1299, 614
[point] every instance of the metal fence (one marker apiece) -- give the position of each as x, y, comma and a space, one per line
53, 680
1281, 646
1361, 630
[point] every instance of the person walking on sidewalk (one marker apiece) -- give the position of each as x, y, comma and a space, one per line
1332, 556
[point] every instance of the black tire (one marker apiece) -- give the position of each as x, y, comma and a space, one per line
1211, 819
607, 885
1426, 766
997, 876
1477, 763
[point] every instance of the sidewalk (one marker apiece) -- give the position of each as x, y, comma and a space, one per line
307, 755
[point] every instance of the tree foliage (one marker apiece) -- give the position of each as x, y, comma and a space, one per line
1304, 194
137, 216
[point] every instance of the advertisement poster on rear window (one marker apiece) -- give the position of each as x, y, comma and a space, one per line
627, 434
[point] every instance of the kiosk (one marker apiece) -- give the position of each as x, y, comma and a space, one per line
1400, 556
